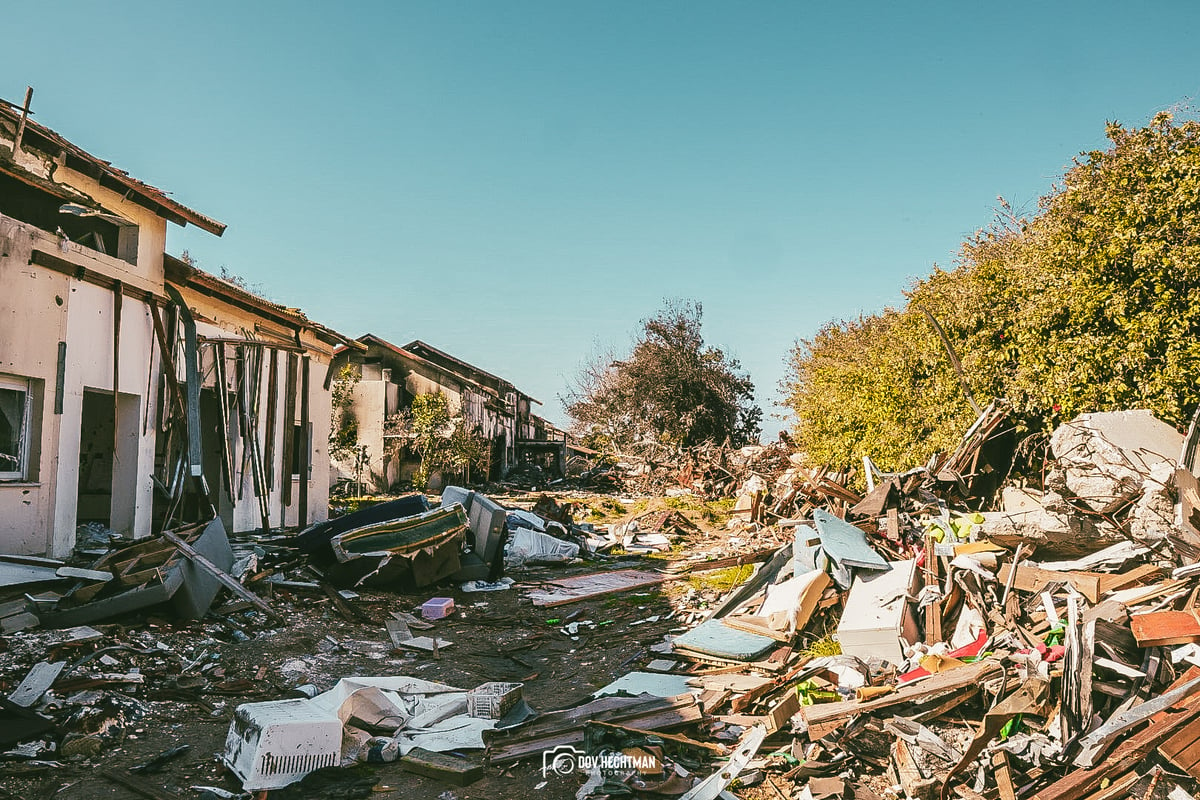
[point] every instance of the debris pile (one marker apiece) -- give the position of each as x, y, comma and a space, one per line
940, 633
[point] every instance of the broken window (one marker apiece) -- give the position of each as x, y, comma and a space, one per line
14, 428
301, 441
92, 228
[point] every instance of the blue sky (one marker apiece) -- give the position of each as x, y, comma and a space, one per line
518, 183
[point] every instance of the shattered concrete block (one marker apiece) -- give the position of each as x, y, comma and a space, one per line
1101, 456
1153, 516
1046, 523
1015, 499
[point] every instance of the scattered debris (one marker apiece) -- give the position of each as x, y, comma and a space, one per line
937, 634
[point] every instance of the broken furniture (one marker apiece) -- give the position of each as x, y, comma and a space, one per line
484, 557
314, 540
147, 573
410, 551
877, 619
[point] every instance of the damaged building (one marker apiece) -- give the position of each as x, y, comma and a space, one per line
93, 428
81, 264
391, 376
265, 438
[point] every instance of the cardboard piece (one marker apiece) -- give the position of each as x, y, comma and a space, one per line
786, 609
582, 587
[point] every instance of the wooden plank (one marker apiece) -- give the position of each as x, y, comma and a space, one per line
1183, 749
1118, 789
272, 411
1033, 579
1186, 538
933, 611
7, 609
247, 400
118, 298
16, 148
712, 699
685, 741
765, 687
84, 574
139, 786
909, 774
953, 702
1095, 744
240, 408
600, 584
222, 577
824, 718
141, 577
1140, 594
1003, 774
306, 443
1132, 750
60, 378
784, 710
191, 367
224, 434
168, 360
566, 727
1159, 628
345, 609
444, 767
1135, 576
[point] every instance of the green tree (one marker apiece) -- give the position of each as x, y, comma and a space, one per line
672, 389
343, 425
1092, 304
439, 435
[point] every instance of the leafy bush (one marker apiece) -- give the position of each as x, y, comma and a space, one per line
1092, 304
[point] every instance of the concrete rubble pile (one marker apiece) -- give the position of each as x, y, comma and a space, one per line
946, 632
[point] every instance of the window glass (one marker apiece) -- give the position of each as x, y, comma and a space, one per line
12, 431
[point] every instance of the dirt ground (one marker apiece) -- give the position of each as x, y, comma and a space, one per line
195, 674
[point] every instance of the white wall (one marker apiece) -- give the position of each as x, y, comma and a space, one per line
38, 309
32, 323
90, 366
221, 320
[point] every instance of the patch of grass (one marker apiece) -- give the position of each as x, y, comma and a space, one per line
682, 503
721, 580
718, 512
607, 508
827, 645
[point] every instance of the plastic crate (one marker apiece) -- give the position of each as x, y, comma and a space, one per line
493, 700
437, 607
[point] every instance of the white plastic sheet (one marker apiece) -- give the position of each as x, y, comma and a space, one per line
530, 547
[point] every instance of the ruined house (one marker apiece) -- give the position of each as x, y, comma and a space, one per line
391, 376
265, 439
81, 272
87, 321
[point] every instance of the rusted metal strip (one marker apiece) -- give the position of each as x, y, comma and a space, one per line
118, 302
289, 424
272, 409
305, 442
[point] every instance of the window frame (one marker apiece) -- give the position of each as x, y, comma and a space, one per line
22, 385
